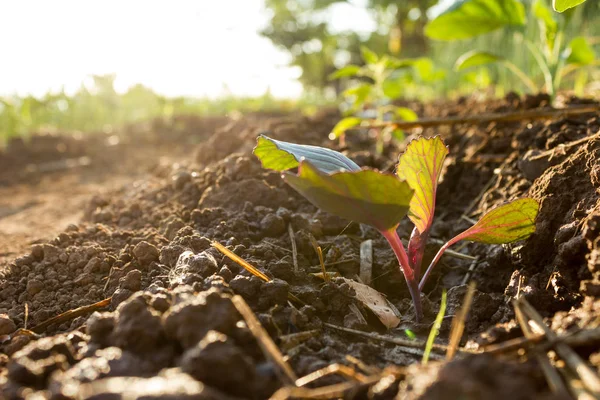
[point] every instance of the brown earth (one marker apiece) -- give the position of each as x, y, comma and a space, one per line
84, 218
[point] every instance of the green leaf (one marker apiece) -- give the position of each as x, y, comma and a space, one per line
395, 63
348, 70
392, 88
421, 166
399, 135
546, 18
281, 156
562, 5
365, 196
368, 55
406, 114
344, 125
508, 223
359, 92
475, 58
464, 19
580, 52
426, 70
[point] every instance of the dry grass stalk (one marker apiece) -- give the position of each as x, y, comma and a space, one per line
294, 247
240, 261
552, 376
588, 376
263, 339
458, 322
71, 314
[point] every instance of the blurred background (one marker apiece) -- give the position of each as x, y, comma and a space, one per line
69, 65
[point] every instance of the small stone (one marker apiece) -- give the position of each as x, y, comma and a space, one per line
34, 287
180, 178
272, 225
132, 281
6, 325
145, 252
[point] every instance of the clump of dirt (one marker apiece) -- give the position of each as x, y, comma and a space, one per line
171, 325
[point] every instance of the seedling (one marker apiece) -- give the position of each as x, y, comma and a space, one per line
555, 57
336, 184
377, 87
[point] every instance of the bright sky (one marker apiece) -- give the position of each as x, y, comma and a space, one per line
178, 47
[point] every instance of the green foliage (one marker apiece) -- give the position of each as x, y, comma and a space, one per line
464, 19
475, 58
579, 52
337, 185
98, 106
376, 84
562, 5
549, 53
343, 125
318, 46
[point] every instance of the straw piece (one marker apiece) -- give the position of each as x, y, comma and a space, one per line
294, 247
240, 261
458, 322
263, 339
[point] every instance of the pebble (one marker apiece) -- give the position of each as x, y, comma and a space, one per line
6, 325
145, 252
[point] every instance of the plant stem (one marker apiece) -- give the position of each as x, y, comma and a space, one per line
437, 258
522, 76
539, 59
413, 287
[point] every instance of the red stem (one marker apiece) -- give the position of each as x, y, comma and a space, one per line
398, 248
437, 258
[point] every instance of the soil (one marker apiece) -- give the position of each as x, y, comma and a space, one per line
130, 215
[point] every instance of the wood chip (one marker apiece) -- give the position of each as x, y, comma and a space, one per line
376, 302
294, 247
366, 262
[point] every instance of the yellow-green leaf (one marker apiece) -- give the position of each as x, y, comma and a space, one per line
508, 223
562, 5
580, 52
475, 58
347, 71
344, 125
463, 19
368, 55
281, 156
366, 196
406, 114
421, 166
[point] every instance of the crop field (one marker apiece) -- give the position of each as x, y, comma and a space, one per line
422, 221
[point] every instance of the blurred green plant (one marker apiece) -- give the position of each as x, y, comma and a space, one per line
98, 106
554, 56
318, 44
373, 87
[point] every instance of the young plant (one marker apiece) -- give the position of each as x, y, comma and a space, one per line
376, 88
336, 184
555, 57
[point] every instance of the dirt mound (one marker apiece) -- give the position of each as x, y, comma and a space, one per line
171, 328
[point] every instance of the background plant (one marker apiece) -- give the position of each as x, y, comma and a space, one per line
375, 85
555, 56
